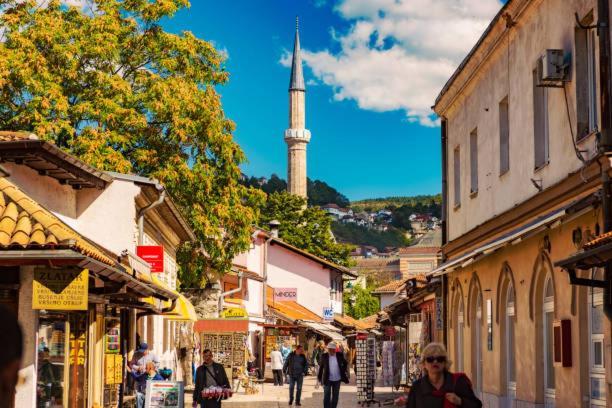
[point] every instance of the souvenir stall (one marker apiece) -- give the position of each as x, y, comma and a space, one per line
365, 368
394, 346
227, 340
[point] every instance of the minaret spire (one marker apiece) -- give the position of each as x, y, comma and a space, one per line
297, 136
297, 76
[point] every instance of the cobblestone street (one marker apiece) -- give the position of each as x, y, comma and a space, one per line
273, 397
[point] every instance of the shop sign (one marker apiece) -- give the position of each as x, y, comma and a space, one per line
112, 338
390, 331
328, 314
153, 255
60, 289
166, 394
234, 313
285, 294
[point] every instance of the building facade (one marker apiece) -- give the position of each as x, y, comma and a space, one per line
524, 125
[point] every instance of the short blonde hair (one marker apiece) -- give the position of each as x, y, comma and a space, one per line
435, 350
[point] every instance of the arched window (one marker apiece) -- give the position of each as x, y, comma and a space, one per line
459, 334
477, 345
510, 346
597, 370
548, 310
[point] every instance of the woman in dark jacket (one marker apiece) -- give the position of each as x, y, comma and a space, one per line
439, 388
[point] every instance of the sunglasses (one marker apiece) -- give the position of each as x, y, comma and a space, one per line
437, 359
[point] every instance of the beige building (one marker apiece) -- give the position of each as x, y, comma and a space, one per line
297, 136
523, 174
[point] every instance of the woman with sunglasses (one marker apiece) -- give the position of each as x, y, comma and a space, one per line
439, 388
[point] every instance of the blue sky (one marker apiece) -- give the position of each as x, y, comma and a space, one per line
372, 70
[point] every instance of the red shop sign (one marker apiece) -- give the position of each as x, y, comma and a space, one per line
153, 255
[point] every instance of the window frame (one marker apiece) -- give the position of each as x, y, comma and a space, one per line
540, 97
474, 162
504, 135
457, 177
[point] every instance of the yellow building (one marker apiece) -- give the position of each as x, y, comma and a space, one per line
525, 132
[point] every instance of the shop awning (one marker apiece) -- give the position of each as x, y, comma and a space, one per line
349, 322
594, 254
324, 329
183, 310
221, 325
548, 221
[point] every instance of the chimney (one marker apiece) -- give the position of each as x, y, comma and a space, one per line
274, 224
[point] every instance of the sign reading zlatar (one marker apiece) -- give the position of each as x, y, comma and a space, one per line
60, 289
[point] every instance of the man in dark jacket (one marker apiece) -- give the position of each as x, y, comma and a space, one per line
207, 375
296, 367
332, 370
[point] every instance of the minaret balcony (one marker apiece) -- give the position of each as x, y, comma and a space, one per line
297, 134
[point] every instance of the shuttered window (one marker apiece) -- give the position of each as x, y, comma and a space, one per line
504, 137
586, 80
474, 161
540, 122
457, 177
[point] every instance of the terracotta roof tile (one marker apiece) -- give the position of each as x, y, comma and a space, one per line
599, 240
26, 224
10, 136
289, 309
390, 287
414, 250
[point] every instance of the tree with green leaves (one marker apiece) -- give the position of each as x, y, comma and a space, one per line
359, 302
306, 228
109, 85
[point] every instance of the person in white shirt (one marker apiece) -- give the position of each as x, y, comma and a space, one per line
276, 360
332, 371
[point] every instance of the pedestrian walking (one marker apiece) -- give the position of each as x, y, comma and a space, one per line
317, 353
276, 360
333, 369
296, 367
285, 350
209, 374
439, 388
149, 374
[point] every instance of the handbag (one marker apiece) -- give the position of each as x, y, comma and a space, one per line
442, 393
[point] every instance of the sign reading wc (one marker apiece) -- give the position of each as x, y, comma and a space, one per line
285, 294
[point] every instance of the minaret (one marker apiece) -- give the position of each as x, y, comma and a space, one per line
297, 136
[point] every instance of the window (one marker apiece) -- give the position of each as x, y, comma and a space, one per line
504, 137
597, 370
540, 122
457, 176
548, 318
459, 335
510, 350
474, 161
477, 346
586, 79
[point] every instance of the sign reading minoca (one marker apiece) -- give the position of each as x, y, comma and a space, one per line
60, 289
284, 294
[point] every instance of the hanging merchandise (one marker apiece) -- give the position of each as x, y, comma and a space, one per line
366, 368
387, 362
414, 347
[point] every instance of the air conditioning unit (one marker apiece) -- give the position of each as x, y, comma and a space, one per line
552, 69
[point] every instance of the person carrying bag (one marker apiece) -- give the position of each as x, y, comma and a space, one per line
439, 388
211, 383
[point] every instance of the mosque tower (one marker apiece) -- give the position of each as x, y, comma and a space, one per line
297, 136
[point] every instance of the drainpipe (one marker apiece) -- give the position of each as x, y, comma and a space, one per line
143, 211
274, 225
605, 141
229, 292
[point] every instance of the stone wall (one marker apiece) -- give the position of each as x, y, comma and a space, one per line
205, 301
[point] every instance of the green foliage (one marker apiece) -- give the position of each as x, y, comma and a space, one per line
110, 86
420, 203
306, 228
401, 215
319, 192
358, 235
359, 302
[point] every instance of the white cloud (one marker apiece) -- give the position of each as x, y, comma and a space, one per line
398, 54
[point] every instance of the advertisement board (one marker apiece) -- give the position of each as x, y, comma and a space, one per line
153, 255
164, 394
60, 289
285, 294
234, 313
